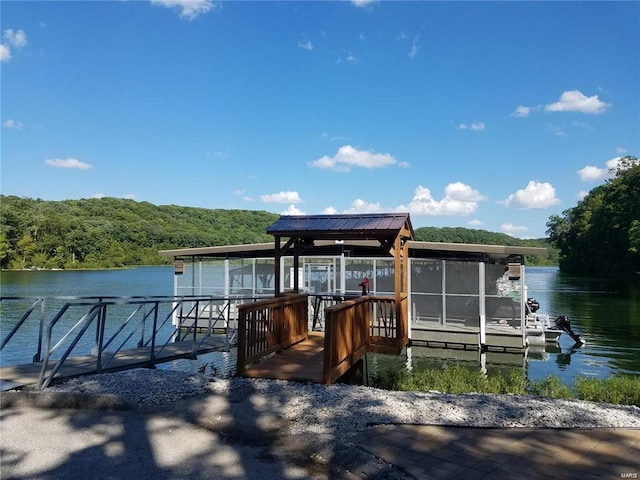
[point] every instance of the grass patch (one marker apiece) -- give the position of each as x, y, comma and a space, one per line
618, 389
552, 387
455, 379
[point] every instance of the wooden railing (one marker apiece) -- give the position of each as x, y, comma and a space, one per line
345, 337
387, 331
267, 326
352, 328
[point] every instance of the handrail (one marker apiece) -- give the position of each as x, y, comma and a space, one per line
346, 336
88, 300
100, 310
20, 322
353, 328
387, 332
269, 325
88, 318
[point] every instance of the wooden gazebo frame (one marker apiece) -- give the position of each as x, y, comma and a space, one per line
391, 230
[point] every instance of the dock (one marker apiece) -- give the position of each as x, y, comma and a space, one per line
97, 335
29, 374
302, 362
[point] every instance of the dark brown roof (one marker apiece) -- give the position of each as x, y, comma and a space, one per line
342, 227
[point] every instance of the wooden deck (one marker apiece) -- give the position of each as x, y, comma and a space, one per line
302, 362
16, 376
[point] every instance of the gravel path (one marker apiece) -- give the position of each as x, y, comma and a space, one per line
347, 410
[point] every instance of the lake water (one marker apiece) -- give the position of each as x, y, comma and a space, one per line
605, 312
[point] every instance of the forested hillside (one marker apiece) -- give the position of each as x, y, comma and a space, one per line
111, 232
601, 235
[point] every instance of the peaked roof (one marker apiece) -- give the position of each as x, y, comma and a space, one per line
343, 227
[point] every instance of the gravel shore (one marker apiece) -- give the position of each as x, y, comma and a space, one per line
345, 409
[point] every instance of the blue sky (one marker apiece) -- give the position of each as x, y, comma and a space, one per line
491, 115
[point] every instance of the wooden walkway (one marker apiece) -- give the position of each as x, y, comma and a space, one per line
17, 376
302, 362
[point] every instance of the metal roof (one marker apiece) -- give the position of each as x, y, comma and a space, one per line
416, 249
342, 227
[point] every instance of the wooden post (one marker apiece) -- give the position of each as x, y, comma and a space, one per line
329, 345
397, 254
242, 341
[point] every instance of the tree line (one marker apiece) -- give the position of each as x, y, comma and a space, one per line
112, 232
601, 234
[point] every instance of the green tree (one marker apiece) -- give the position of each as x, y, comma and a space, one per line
5, 249
27, 248
601, 234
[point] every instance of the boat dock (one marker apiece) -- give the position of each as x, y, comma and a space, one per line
97, 335
30, 374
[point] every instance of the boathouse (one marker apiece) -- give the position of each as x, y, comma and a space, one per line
448, 294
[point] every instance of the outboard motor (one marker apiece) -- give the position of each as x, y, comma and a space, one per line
563, 323
533, 305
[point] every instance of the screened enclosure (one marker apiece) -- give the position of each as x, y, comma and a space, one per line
444, 295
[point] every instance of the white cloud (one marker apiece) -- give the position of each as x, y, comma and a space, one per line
512, 229
281, 197
581, 194
67, 163
189, 9
13, 39
557, 130
576, 101
348, 157
98, 195
360, 206
347, 58
17, 39
414, 47
362, 3
463, 192
595, 174
534, 195
129, 196
334, 138
329, 211
9, 123
521, 111
292, 210
475, 222
308, 46
592, 174
621, 150
5, 53
478, 126
459, 200
613, 163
